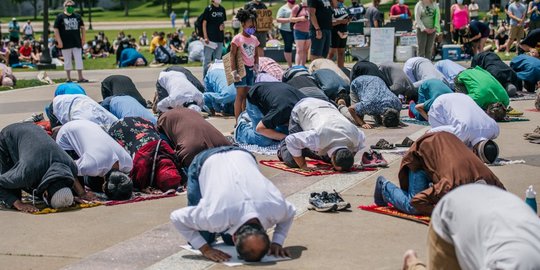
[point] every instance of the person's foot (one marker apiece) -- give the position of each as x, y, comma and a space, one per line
82, 80
378, 197
408, 258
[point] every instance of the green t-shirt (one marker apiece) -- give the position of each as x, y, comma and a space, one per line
16, 27
430, 90
483, 88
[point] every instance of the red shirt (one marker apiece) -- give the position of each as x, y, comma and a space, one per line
25, 51
398, 10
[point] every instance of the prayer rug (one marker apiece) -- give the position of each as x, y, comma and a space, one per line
48, 210
515, 119
502, 162
523, 96
409, 120
261, 150
391, 211
137, 197
323, 168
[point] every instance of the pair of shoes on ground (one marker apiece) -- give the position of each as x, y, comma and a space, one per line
373, 159
383, 144
328, 202
533, 137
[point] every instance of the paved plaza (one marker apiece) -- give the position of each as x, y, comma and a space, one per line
140, 235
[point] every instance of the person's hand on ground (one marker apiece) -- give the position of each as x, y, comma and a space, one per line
366, 126
151, 190
306, 167
88, 196
213, 254
26, 208
278, 251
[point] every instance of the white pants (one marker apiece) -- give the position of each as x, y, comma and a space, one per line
73, 53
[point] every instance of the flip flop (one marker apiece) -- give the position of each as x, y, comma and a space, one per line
83, 81
535, 141
407, 142
383, 144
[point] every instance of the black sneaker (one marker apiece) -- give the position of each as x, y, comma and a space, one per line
321, 203
338, 200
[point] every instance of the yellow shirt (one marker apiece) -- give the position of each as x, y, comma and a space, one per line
156, 43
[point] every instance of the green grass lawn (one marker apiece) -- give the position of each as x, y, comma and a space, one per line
29, 83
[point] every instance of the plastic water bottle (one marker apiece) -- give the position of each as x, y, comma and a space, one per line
530, 198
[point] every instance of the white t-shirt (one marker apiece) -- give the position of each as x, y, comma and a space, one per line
490, 228
458, 114
97, 151
77, 107
180, 91
234, 191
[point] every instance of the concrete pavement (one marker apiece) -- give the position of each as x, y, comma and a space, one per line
139, 235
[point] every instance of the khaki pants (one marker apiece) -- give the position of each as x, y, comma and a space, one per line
442, 255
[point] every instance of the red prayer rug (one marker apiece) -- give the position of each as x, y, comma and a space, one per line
323, 168
391, 211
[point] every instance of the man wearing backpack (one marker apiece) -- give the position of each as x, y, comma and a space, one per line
213, 26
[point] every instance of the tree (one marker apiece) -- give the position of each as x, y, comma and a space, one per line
126, 8
33, 2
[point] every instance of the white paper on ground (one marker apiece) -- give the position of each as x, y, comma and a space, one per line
211, 44
231, 250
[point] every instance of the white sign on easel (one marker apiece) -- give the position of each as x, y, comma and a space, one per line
381, 47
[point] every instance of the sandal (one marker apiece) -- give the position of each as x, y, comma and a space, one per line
83, 81
383, 144
407, 142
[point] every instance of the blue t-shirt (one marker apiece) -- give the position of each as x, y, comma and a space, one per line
517, 9
126, 106
430, 90
129, 56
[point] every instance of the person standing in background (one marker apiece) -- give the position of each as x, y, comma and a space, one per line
534, 12
374, 17
260, 35
28, 31
14, 31
473, 10
173, 19
300, 18
70, 34
517, 13
425, 17
186, 18
284, 20
339, 33
495, 10
400, 11
213, 25
459, 16
320, 14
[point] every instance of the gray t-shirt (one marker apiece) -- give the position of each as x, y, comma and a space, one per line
374, 15
517, 9
284, 12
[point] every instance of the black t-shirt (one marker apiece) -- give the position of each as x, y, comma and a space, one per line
477, 27
176, 42
533, 39
340, 13
323, 12
214, 17
302, 81
275, 100
69, 27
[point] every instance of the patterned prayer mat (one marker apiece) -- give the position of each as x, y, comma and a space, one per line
391, 211
261, 150
532, 110
515, 119
323, 168
409, 120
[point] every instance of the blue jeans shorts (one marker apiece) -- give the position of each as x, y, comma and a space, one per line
248, 80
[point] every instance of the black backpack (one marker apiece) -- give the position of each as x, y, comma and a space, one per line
198, 24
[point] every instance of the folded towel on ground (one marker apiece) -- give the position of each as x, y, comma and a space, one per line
391, 211
323, 168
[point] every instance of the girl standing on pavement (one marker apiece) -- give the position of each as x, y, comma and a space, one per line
246, 44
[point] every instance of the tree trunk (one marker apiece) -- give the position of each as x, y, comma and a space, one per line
162, 5
81, 8
126, 8
169, 6
34, 4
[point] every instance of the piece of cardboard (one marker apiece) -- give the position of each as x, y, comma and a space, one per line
231, 250
265, 21
240, 67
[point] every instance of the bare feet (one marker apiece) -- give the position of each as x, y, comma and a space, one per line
27, 208
408, 258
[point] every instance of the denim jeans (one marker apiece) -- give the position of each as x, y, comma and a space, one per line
210, 55
413, 109
247, 123
401, 199
194, 191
